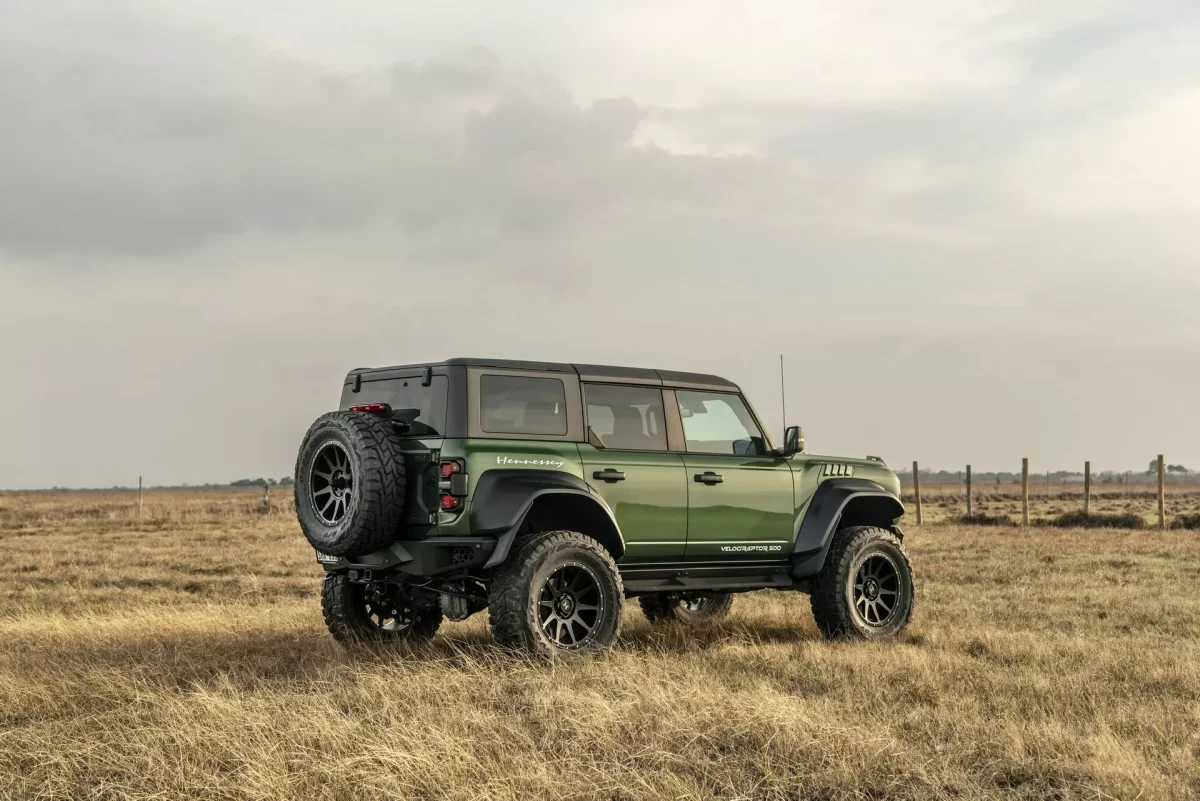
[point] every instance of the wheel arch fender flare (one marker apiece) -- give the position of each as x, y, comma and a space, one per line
837, 502
505, 499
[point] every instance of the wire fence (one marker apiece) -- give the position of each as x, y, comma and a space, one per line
919, 487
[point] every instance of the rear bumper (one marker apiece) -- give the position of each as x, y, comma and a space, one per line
428, 557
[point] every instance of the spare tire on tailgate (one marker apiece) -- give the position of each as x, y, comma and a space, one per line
350, 484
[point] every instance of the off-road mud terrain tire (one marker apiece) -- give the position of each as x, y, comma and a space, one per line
835, 608
663, 607
517, 610
374, 501
346, 611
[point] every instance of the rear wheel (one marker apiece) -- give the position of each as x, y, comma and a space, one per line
559, 595
375, 612
865, 590
688, 608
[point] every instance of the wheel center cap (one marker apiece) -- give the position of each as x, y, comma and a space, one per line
565, 605
871, 590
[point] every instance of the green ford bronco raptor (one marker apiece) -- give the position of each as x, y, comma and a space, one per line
549, 493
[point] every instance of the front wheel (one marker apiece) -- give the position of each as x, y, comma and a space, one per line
690, 608
559, 595
865, 589
375, 612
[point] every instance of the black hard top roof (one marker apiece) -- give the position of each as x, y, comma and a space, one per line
586, 372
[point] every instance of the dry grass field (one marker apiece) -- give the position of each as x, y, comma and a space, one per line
183, 656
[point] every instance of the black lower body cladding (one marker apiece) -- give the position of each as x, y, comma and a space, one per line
421, 558
350, 484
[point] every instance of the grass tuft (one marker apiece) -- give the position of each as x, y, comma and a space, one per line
1078, 519
1189, 522
984, 519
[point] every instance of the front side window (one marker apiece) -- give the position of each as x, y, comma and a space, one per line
510, 404
718, 422
626, 418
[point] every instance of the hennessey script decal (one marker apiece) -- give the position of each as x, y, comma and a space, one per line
538, 462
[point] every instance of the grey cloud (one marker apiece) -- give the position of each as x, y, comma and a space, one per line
128, 138
1090, 43
518, 126
158, 141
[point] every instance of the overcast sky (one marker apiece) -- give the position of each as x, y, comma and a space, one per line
973, 229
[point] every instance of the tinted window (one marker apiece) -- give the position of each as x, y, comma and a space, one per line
716, 422
626, 418
422, 408
517, 405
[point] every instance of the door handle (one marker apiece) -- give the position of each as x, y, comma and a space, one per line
709, 478
608, 475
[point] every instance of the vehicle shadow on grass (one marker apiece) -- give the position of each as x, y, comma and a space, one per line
680, 638
187, 660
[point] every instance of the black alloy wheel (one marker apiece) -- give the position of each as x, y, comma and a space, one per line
376, 612
331, 482
687, 608
570, 606
699, 606
386, 607
877, 590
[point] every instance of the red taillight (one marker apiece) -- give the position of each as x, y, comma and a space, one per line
371, 408
453, 486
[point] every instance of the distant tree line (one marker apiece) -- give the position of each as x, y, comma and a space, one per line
286, 481
1176, 472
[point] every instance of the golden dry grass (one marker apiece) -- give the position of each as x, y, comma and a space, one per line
183, 656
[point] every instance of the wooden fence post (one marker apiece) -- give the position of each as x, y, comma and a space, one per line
1025, 492
1162, 492
139, 497
1087, 488
970, 506
917, 489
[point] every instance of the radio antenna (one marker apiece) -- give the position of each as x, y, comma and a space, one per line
782, 392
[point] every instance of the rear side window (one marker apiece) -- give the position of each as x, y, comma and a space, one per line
626, 418
421, 409
510, 404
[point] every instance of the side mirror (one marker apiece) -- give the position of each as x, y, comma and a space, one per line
793, 441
